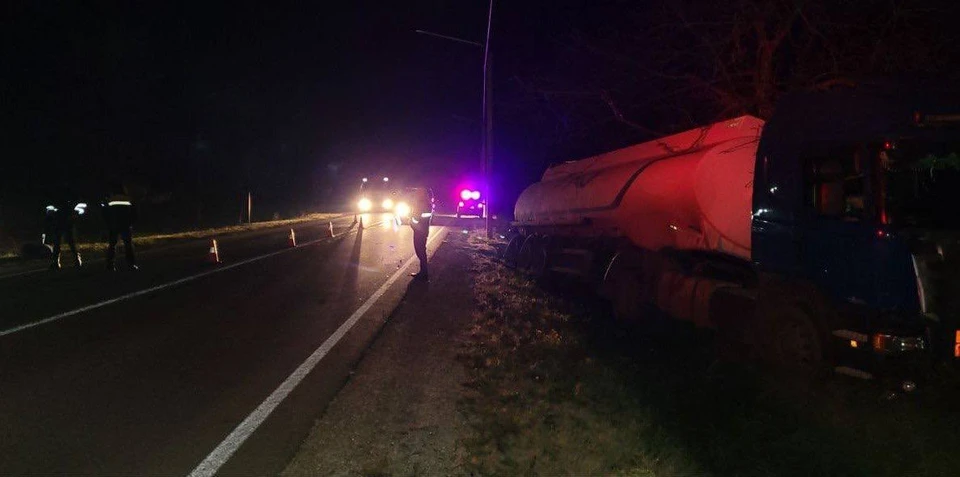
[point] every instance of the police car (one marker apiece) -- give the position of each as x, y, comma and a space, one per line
470, 204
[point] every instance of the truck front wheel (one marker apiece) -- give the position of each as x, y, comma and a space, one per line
791, 338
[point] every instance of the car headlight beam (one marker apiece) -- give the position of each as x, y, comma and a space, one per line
364, 205
402, 209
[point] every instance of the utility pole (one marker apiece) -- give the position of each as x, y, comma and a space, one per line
486, 142
488, 121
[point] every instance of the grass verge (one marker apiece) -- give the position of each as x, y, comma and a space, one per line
555, 388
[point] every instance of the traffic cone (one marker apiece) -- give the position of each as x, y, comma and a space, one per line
214, 255
331, 229
292, 240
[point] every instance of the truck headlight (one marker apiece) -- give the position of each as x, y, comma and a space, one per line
402, 209
364, 205
892, 344
387, 204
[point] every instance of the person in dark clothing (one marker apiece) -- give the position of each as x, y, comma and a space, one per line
120, 214
421, 211
63, 213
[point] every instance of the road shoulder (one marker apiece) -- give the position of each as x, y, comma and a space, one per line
398, 413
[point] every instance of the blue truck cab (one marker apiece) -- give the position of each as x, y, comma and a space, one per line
854, 217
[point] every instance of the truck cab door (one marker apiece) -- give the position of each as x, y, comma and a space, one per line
838, 231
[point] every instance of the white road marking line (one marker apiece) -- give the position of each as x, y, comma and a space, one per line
242, 432
220, 268
28, 272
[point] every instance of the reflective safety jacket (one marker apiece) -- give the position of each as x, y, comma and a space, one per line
421, 207
119, 210
65, 210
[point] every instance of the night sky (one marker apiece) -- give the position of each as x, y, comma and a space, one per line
167, 96
197, 102
170, 95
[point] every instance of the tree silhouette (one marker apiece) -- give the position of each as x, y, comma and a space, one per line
669, 65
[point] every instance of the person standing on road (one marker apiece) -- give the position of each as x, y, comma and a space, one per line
421, 211
120, 213
49, 226
63, 213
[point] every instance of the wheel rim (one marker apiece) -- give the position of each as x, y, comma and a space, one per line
797, 342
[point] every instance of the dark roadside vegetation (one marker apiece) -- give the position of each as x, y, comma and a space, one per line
557, 388
91, 236
21, 224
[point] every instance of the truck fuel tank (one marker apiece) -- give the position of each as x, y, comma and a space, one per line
691, 190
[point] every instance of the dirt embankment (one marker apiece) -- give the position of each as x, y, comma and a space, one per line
489, 373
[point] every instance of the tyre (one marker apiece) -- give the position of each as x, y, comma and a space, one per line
539, 259
511, 254
790, 337
527, 253
622, 288
624, 299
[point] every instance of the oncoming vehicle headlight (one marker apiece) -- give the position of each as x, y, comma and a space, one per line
402, 210
387, 204
364, 205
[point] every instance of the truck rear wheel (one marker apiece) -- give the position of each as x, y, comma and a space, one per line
541, 257
526, 254
512, 253
622, 286
625, 298
533, 255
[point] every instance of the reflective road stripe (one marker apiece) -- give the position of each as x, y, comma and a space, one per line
235, 439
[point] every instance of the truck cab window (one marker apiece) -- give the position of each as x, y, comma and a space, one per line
921, 184
834, 184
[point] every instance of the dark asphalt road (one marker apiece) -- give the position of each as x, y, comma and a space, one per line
152, 384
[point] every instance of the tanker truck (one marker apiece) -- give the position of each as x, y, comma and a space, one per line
823, 238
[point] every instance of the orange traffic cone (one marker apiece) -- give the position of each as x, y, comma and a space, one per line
292, 239
214, 255
331, 229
